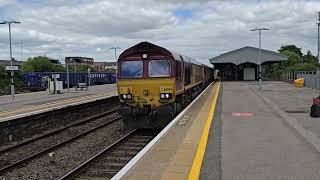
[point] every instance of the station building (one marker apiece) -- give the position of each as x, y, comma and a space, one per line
243, 63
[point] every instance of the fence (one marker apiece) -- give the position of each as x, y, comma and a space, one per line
311, 78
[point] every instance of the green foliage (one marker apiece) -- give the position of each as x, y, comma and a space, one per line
4, 79
82, 68
293, 58
302, 67
309, 58
296, 61
41, 64
291, 48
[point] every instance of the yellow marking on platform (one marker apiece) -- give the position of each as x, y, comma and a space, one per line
196, 166
54, 103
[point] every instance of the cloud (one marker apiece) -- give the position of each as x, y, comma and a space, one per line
200, 29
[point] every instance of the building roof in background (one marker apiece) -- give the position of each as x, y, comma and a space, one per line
111, 63
14, 62
248, 54
104, 63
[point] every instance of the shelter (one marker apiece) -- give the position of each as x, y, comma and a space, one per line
243, 63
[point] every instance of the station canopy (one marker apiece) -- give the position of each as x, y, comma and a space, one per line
248, 55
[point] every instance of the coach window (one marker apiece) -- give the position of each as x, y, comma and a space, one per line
159, 68
131, 69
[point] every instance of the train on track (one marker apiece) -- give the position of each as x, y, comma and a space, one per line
154, 84
36, 81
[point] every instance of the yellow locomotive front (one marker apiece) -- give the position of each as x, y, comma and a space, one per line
146, 89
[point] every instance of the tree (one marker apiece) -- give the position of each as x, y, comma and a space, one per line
293, 58
41, 64
291, 48
309, 58
302, 67
84, 68
4, 79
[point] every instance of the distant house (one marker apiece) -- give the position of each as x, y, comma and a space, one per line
99, 66
77, 61
105, 66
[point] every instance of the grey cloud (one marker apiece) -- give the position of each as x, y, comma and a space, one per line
63, 28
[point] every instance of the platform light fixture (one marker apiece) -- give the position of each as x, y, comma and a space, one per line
12, 84
318, 50
144, 56
115, 52
260, 55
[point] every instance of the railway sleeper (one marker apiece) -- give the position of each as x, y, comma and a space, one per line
116, 159
124, 153
130, 148
139, 140
108, 165
140, 144
98, 173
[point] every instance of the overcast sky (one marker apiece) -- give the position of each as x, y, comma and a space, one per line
197, 28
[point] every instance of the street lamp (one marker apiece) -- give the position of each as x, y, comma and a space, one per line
12, 85
115, 52
260, 55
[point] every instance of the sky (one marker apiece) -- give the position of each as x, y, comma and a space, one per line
201, 29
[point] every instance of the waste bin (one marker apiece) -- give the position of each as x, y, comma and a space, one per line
299, 82
315, 108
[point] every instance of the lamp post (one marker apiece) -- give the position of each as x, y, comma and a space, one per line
115, 52
12, 84
260, 55
318, 24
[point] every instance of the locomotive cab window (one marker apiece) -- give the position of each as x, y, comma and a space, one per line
131, 69
159, 68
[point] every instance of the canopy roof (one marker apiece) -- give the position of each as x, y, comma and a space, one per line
248, 54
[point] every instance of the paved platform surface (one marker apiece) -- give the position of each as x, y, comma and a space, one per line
38, 101
295, 102
172, 156
252, 137
263, 145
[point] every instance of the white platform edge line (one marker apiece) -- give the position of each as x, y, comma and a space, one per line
137, 157
55, 108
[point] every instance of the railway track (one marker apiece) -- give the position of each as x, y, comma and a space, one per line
93, 126
110, 160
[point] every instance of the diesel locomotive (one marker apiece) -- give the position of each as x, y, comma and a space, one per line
155, 83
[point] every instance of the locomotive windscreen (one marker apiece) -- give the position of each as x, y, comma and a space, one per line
159, 68
131, 69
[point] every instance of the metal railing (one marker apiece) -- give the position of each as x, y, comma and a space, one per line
311, 78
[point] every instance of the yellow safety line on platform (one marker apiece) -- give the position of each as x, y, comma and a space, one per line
196, 166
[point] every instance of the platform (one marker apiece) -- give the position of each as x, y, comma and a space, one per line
248, 137
38, 102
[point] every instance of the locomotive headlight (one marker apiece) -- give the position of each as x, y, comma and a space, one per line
129, 96
165, 96
124, 96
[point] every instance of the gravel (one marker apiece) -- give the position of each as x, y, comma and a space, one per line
65, 158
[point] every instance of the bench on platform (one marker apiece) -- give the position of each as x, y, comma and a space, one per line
81, 86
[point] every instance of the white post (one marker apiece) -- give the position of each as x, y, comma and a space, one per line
260, 61
89, 77
12, 84
68, 78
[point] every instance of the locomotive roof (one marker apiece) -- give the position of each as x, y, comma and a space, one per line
146, 46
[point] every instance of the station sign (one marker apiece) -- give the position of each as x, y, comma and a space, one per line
11, 68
